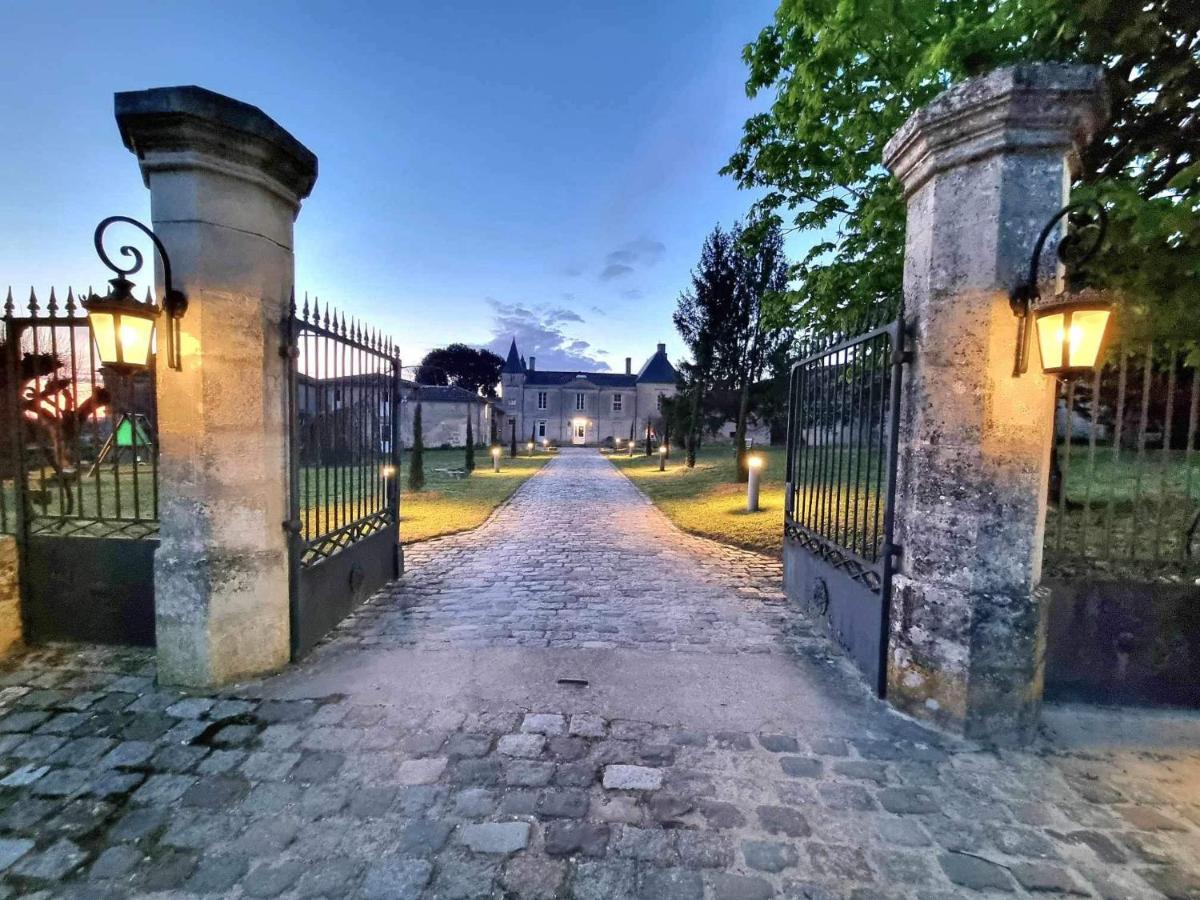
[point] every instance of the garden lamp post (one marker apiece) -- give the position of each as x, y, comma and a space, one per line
121, 326
531, 446
662, 457
496, 459
754, 463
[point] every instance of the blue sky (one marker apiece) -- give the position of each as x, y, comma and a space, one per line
544, 168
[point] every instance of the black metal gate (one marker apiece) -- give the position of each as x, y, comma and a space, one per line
80, 479
843, 418
344, 388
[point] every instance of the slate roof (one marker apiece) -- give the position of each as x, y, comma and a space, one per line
513, 365
600, 379
658, 369
436, 393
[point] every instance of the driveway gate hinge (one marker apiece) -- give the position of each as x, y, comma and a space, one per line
291, 525
902, 356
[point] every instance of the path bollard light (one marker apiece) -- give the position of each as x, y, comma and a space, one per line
631, 445
496, 451
755, 464
388, 473
662, 457
531, 446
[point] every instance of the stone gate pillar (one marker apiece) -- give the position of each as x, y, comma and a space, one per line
984, 167
225, 187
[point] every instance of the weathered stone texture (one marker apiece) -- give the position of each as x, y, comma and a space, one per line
10, 595
984, 167
225, 184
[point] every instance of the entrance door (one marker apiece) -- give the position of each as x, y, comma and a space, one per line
578, 435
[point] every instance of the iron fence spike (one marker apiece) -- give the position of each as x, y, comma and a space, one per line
149, 296
8, 302
70, 300
52, 305
305, 313
33, 301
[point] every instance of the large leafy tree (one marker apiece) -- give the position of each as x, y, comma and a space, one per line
844, 75
471, 368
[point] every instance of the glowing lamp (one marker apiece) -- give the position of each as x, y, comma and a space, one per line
754, 462
1070, 326
495, 451
1070, 333
122, 327
387, 471
662, 448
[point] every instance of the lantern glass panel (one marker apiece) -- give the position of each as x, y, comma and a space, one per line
1051, 330
1085, 334
104, 330
136, 334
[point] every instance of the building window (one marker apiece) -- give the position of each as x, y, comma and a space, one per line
541, 428
512, 401
616, 402
579, 401
542, 400
659, 402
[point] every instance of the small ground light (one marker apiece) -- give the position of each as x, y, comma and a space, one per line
496, 459
531, 446
662, 457
388, 471
754, 464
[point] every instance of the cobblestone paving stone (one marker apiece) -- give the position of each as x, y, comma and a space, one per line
111, 786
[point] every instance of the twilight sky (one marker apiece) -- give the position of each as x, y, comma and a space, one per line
547, 169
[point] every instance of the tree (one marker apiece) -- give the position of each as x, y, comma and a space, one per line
721, 320
416, 459
846, 75
470, 463
470, 368
763, 275
701, 311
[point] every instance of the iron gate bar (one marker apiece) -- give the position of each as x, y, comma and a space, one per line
842, 447
86, 549
343, 518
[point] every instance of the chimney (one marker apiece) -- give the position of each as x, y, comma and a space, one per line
532, 363
662, 348
629, 365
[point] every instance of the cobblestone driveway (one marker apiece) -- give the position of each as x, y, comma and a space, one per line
719, 750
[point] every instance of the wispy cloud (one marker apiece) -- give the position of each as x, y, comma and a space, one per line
615, 270
539, 331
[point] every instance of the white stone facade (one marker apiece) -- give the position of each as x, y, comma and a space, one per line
584, 408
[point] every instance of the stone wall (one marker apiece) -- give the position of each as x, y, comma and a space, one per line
10, 595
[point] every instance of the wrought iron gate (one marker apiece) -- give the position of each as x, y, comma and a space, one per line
80, 479
843, 417
344, 389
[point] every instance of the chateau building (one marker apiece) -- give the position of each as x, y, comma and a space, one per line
584, 408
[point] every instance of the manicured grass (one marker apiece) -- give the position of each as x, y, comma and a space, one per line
448, 505
708, 501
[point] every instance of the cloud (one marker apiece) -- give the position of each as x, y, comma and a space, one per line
632, 294
615, 270
599, 311
631, 256
573, 270
539, 331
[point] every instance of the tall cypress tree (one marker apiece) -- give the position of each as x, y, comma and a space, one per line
470, 466
416, 459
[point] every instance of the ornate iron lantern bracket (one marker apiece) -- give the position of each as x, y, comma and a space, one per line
120, 298
1076, 248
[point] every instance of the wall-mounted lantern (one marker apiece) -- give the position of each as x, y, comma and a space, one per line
1071, 327
121, 325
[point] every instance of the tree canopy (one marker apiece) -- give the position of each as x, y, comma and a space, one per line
473, 369
844, 75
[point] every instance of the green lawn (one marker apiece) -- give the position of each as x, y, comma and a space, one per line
448, 505
708, 501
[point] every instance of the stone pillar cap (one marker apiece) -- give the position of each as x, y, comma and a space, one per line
1029, 106
189, 126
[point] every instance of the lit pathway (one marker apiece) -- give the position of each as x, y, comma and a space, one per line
719, 748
